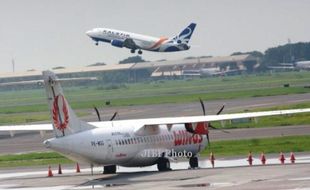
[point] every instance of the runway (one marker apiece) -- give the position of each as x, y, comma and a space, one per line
29, 141
194, 108
229, 174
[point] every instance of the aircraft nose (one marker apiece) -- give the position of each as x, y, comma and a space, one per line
89, 33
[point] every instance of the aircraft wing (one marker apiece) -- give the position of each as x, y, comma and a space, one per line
165, 120
129, 43
222, 117
35, 127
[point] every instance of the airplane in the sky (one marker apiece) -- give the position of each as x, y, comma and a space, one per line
129, 143
140, 42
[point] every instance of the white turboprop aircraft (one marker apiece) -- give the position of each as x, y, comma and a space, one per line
129, 143
140, 42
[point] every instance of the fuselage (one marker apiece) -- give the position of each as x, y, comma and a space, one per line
120, 143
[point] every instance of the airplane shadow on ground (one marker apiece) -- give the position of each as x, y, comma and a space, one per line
127, 178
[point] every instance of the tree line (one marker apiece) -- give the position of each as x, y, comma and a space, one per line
288, 53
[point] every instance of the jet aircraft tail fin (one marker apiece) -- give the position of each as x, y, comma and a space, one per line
186, 34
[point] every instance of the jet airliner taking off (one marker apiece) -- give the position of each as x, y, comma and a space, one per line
129, 143
141, 42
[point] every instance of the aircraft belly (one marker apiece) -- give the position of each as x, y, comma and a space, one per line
140, 159
147, 155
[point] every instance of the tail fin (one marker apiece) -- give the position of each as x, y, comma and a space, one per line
65, 121
186, 34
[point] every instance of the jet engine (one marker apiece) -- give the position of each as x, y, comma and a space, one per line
117, 43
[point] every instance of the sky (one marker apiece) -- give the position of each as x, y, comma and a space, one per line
42, 34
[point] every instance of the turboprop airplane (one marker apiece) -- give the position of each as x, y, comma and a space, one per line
141, 42
129, 143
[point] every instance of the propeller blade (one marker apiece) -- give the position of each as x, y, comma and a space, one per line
202, 106
207, 135
113, 117
218, 128
220, 111
224, 131
211, 126
97, 112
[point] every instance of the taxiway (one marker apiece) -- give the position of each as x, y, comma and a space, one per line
229, 174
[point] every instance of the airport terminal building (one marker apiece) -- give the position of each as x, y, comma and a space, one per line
133, 72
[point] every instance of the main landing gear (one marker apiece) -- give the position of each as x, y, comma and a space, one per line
111, 169
134, 51
193, 162
163, 164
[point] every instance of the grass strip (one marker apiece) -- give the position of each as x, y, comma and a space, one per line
32, 159
87, 103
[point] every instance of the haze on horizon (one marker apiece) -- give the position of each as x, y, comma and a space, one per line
42, 34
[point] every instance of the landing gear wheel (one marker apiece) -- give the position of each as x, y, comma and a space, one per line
139, 52
193, 162
96, 43
163, 164
109, 169
132, 51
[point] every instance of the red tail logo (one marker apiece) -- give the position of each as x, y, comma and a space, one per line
60, 120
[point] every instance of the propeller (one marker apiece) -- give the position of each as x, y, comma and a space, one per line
99, 117
204, 113
209, 124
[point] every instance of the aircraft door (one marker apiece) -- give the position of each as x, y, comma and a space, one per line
109, 148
